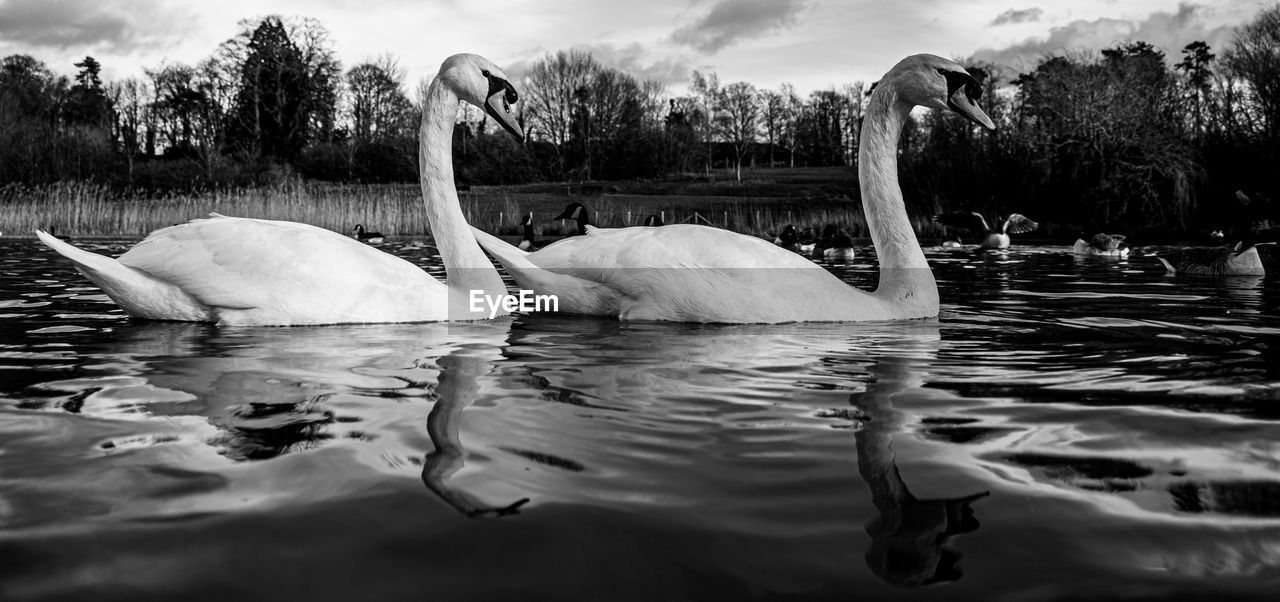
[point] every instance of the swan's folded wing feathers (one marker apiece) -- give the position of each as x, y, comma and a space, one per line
241, 263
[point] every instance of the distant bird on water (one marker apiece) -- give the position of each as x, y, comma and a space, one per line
578, 213
807, 241
1107, 245
787, 238
527, 241
1240, 260
359, 234
973, 221
834, 244
653, 221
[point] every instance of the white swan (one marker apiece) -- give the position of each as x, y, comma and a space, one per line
696, 273
239, 271
973, 221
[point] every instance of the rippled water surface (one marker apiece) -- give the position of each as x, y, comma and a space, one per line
1068, 428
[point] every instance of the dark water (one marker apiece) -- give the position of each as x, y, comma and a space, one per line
1066, 429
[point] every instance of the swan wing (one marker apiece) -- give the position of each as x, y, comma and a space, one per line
272, 272
968, 220
1018, 223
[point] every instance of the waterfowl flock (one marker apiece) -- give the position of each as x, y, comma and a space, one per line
213, 269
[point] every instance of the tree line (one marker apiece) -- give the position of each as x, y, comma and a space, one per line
1122, 138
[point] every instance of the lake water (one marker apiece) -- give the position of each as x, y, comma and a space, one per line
1067, 428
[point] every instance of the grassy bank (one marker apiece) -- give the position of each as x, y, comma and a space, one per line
760, 207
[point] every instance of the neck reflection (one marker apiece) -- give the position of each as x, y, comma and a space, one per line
458, 388
911, 539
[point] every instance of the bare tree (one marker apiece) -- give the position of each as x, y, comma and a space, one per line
551, 88
378, 108
1252, 56
737, 120
706, 88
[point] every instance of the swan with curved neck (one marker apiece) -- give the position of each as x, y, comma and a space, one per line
693, 273
240, 271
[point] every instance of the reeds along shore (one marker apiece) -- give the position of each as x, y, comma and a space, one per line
95, 211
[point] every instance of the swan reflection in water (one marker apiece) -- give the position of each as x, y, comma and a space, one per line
458, 388
911, 538
667, 416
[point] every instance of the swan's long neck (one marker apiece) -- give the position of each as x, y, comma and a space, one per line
466, 266
891, 231
904, 272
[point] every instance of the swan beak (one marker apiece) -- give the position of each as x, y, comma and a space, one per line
962, 104
498, 106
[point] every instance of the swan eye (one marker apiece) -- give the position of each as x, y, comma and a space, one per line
486, 73
957, 80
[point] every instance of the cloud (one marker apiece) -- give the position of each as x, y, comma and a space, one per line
1167, 31
1026, 15
632, 59
730, 21
112, 25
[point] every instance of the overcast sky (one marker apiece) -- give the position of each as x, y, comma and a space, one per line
809, 43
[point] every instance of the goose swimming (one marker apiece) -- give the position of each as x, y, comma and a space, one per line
1240, 260
578, 213
693, 273
787, 238
973, 221
1107, 245
358, 233
240, 271
528, 240
834, 245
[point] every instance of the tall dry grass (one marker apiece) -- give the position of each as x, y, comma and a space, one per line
90, 210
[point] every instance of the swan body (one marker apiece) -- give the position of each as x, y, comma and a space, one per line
239, 271
1106, 245
358, 233
1016, 223
697, 273
1238, 261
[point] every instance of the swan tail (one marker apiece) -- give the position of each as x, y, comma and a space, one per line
138, 293
515, 261
504, 251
